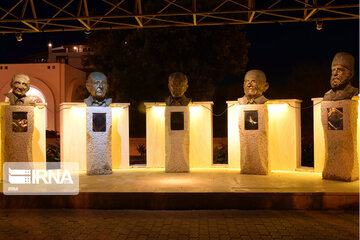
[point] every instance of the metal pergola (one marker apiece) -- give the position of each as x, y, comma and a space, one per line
28, 16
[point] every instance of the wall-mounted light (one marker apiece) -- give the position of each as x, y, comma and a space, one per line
319, 25
18, 37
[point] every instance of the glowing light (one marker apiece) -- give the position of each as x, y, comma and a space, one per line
50, 45
277, 108
195, 110
298, 172
177, 181
158, 111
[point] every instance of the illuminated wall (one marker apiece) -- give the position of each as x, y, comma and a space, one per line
284, 143
38, 138
200, 135
73, 134
319, 137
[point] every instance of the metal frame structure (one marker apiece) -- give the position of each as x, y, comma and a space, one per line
27, 16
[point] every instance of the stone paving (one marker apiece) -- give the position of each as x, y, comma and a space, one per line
180, 225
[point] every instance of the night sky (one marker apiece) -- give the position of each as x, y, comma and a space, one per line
278, 47
275, 48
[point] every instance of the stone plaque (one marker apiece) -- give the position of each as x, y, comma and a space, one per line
177, 120
19, 122
18, 145
99, 122
98, 149
251, 120
177, 150
335, 118
340, 125
253, 131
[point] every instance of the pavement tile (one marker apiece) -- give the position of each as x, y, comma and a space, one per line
180, 225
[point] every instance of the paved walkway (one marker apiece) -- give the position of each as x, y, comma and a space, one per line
140, 224
212, 180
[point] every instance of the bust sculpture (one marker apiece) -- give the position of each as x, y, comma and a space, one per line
97, 86
342, 71
20, 84
178, 84
254, 86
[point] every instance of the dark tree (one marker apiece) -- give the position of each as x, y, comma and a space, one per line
138, 63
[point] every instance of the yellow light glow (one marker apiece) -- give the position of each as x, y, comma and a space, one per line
50, 44
358, 130
277, 108
158, 111
297, 172
177, 181
195, 110
117, 110
79, 112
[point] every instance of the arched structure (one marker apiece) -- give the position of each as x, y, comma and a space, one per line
54, 80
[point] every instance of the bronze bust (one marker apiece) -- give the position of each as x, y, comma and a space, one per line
178, 84
97, 86
342, 71
20, 84
254, 86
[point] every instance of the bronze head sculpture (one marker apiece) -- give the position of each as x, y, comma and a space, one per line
342, 71
20, 84
97, 86
178, 84
254, 86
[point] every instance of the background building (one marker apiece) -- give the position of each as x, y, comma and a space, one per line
59, 78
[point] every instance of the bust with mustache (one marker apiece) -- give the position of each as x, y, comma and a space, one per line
342, 71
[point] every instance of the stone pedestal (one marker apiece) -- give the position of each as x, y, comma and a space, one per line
177, 136
98, 150
253, 132
19, 133
339, 120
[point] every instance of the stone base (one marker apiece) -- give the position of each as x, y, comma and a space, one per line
19, 131
177, 138
98, 150
99, 172
339, 120
253, 139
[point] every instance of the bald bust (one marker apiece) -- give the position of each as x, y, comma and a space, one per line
97, 86
342, 71
254, 86
20, 84
178, 84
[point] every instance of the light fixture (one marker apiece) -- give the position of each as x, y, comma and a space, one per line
50, 45
18, 37
87, 32
319, 25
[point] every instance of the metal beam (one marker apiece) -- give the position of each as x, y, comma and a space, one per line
110, 11
8, 12
34, 12
138, 10
57, 13
194, 12
169, 13
251, 5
